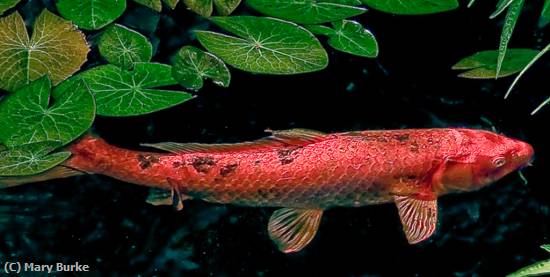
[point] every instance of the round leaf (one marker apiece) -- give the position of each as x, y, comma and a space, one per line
7, 4
265, 45
28, 116
412, 7
350, 37
124, 47
119, 92
56, 48
308, 12
205, 7
30, 159
155, 5
91, 14
483, 65
192, 65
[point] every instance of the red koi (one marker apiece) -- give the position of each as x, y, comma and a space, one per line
305, 172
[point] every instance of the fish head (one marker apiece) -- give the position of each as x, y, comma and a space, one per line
484, 158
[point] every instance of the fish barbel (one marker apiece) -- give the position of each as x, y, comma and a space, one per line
305, 172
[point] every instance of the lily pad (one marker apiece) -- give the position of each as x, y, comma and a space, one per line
119, 92
30, 159
124, 47
157, 4
56, 48
483, 65
192, 65
28, 116
350, 37
91, 14
412, 7
7, 4
308, 12
265, 45
206, 7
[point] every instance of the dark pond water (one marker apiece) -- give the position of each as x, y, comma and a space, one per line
105, 223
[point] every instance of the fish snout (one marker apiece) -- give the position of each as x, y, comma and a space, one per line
525, 154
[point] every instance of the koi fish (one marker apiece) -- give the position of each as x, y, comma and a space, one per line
305, 172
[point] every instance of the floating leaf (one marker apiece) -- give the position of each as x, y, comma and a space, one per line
412, 7
541, 268
91, 14
350, 37
157, 4
56, 48
7, 4
124, 47
308, 12
482, 65
30, 159
191, 65
545, 14
120, 92
507, 30
265, 45
28, 116
205, 7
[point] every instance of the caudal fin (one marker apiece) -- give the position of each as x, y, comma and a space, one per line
54, 173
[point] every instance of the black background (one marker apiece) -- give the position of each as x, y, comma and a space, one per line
105, 223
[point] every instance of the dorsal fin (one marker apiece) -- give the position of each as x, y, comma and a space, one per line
293, 137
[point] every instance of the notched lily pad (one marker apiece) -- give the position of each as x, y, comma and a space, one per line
412, 7
56, 48
265, 45
350, 37
30, 159
29, 116
192, 65
91, 14
206, 7
483, 65
124, 47
308, 12
120, 92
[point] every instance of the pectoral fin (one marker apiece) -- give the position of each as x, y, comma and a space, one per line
170, 197
293, 229
419, 217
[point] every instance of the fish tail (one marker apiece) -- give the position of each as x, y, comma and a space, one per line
54, 173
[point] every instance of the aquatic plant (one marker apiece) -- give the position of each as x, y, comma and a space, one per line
536, 269
504, 61
53, 92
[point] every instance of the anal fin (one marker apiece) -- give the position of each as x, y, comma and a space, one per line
293, 229
419, 217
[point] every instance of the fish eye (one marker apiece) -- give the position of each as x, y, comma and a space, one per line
499, 162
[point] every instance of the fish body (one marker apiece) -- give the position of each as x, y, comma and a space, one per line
305, 172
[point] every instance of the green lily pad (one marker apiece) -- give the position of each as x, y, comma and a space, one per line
56, 48
28, 116
265, 45
192, 65
483, 65
30, 159
308, 12
157, 4
119, 92
350, 37
124, 47
206, 7
91, 14
412, 7
7, 4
